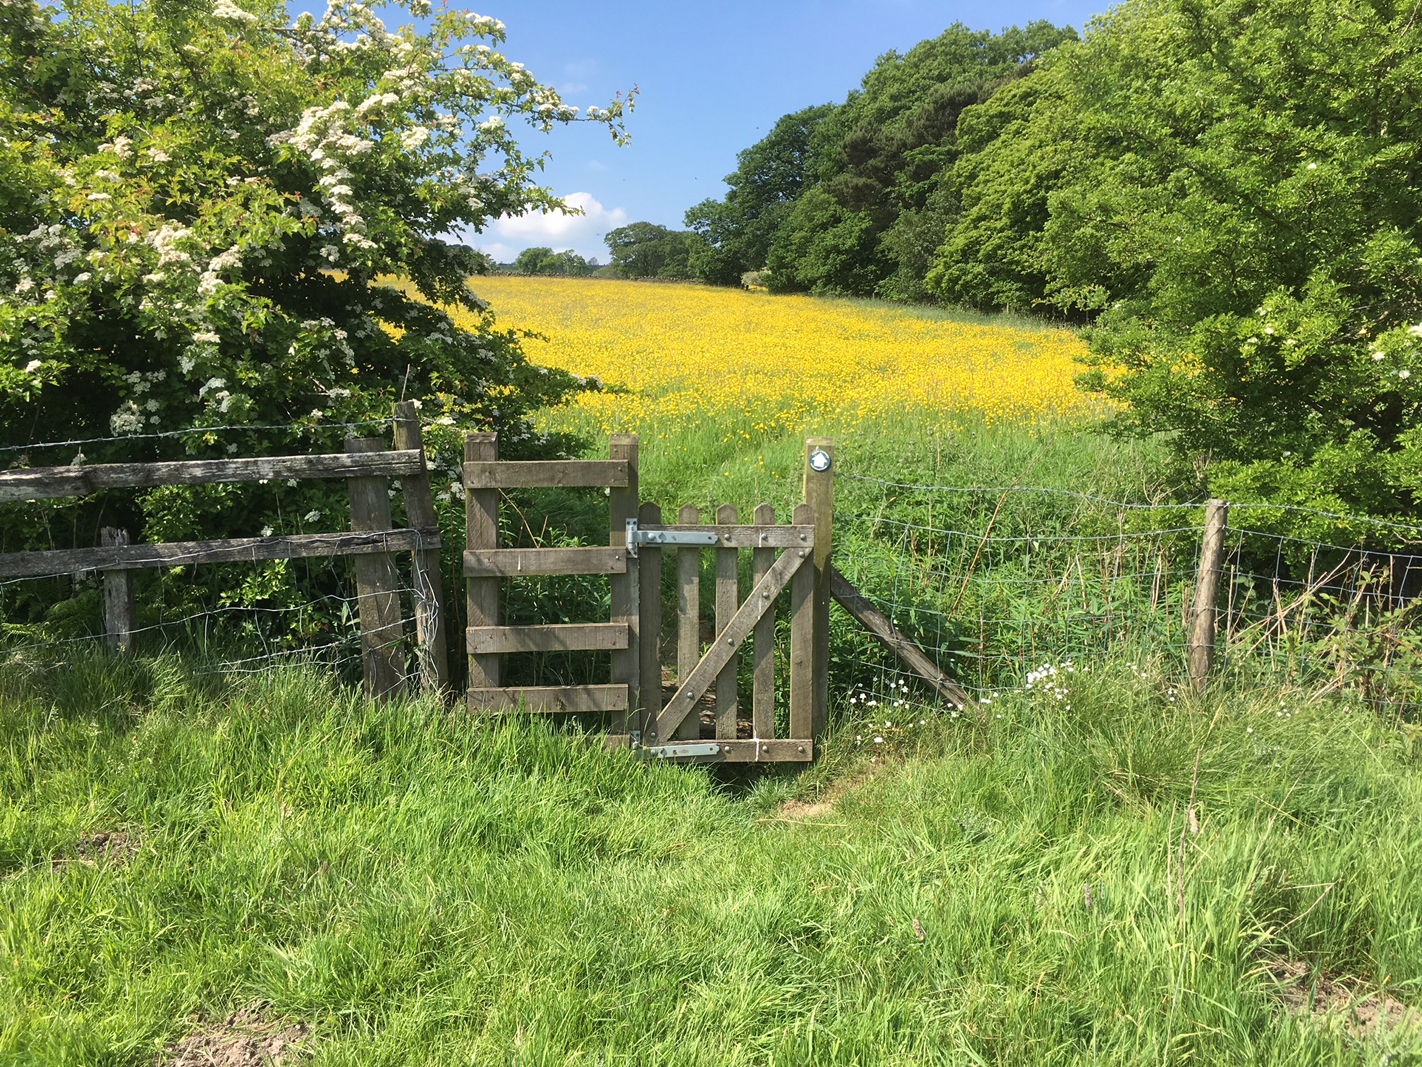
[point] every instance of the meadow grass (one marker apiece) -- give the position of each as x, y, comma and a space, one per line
1099, 869
425, 889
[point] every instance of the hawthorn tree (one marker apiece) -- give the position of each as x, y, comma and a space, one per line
215, 214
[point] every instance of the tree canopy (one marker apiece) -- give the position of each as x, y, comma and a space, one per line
853, 198
647, 250
197, 204
544, 260
1228, 192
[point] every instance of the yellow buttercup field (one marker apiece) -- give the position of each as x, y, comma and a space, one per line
758, 366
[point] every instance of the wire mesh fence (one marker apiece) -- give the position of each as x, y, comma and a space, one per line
998, 583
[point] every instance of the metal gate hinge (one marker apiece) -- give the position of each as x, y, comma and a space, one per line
664, 536
678, 751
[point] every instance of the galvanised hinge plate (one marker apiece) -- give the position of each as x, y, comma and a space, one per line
637, 537
682, 751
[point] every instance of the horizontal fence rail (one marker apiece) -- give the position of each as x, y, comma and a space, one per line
45, 483
368, 623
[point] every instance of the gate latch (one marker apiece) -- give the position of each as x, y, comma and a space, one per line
665, 536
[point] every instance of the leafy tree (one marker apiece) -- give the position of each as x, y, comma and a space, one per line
771, 175
546, 261
534, 261
882, 161
570, 263
1230, 187
646, 250
196, 204
1016, 149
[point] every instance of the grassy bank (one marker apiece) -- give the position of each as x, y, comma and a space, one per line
419, 889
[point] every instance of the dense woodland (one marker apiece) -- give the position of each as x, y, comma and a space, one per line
1224, 191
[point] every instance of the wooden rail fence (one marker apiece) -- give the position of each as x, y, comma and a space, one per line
367, 466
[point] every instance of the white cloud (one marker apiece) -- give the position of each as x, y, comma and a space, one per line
508, 235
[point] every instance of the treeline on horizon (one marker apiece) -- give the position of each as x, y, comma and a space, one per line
1226, 192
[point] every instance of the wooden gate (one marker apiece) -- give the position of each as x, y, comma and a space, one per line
694, 711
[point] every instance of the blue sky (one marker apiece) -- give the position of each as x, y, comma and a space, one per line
713, 78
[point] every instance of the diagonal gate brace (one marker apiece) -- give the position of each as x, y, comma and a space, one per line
701, 676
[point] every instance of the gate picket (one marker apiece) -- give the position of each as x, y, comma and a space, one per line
688, 617
728, 599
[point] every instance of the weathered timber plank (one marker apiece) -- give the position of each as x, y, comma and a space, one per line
728, 599
513, 562
43, 483
537, 473
873, 620
382, 628
232, 550
550, 637
623, 586
481, 531
431, 651
649, 653
120, 608
802, 643
722, 650
747, 751
759, 535
564, 699
688, 618
763, 641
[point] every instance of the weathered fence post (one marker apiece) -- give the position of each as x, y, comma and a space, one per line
819, 494
625, 598
649, 653
803, 684
431, 651
119, 609
1201, 638
481, 530
382, 633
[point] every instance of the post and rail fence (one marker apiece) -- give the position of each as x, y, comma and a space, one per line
935, 601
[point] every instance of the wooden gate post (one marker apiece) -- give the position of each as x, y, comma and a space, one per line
1201, 639
819, 494
481, 530
382, 632
624, 586
431, 651
649, 652
119, 610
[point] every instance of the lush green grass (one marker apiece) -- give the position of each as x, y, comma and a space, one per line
426, 889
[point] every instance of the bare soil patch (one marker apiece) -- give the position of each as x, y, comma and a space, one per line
1338, 1001
802, 809
101, 846
246, 1038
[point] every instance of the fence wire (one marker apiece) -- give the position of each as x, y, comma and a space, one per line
996, 584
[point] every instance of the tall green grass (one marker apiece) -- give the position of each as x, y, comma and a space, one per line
427, 889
